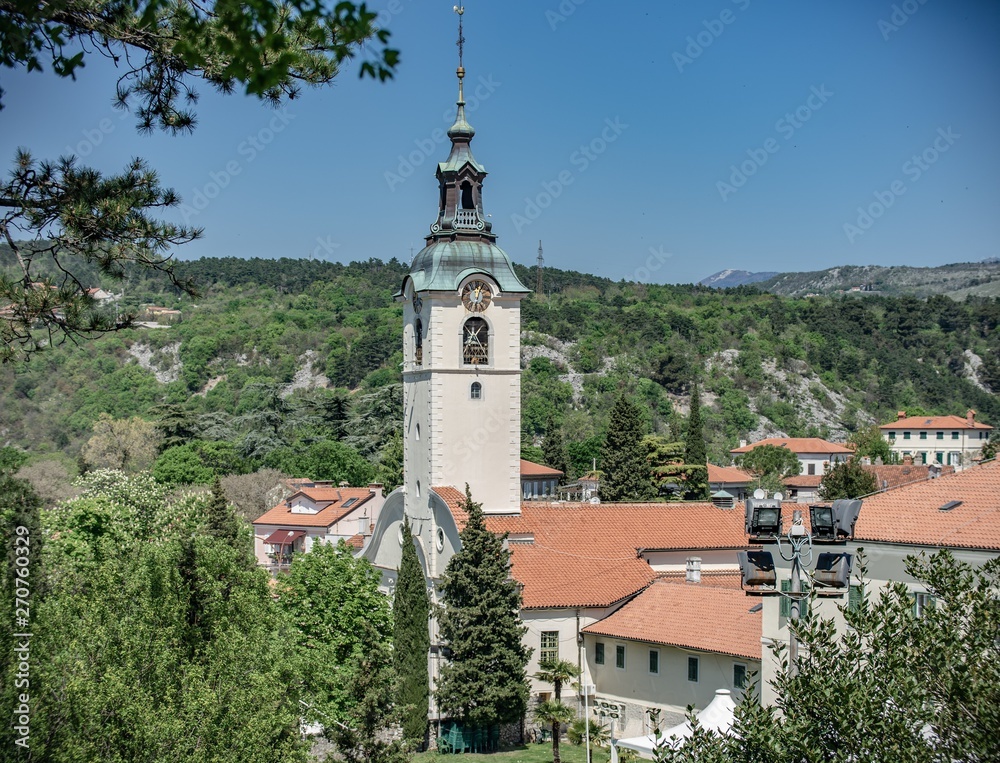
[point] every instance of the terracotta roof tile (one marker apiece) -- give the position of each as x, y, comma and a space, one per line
689, 616
891, 476
356, 541
798, 445
727, 474
912, 513
586, 554
531, 469
455, 500
803, 480
709, 578
329, 514
934, 422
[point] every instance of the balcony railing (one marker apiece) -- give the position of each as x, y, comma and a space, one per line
468, 218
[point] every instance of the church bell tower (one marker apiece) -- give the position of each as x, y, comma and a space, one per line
462, 344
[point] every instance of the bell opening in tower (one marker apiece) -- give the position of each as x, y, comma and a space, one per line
476, 342
467, 201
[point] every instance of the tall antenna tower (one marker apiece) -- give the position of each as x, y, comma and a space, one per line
538, 270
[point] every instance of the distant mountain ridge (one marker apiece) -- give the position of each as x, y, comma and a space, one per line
957, 280
725, 279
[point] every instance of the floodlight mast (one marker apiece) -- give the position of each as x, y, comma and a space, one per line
799, 544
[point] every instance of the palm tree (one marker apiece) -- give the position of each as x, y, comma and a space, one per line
582, 728
555, 672
555, 712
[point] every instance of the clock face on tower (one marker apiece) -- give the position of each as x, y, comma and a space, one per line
476, 296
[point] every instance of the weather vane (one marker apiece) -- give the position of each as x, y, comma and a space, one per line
460, 10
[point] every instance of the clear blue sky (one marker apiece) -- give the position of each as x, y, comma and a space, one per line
825, 103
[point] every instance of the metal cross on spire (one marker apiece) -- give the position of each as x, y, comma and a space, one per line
460, 10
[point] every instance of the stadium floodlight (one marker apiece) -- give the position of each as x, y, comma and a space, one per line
833, 570
845, 514
757, 568
763, 517
824, 526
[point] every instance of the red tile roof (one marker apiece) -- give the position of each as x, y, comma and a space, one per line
891, 476
935, 422
709, 578
356, 541
798, 445
587, 554
330, 500
689, 616
727, 474
912, 514
531, 469
455, 500
803, 480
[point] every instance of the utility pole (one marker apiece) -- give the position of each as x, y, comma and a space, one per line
538, 270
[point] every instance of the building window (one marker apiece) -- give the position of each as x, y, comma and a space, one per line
923, 435
654, 661
418, 342
906, 435
620, 656
550, 646
811, 469
939, 457
476, 342
739, 675
892, 435
940, 435
954, 435
599, 653
922, 601
476, 391
693, 669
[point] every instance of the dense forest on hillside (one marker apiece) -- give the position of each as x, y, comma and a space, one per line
280, 356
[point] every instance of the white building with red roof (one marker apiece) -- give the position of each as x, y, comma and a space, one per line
316, 512
816, 456
953, 440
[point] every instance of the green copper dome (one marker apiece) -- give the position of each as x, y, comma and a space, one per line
442, 265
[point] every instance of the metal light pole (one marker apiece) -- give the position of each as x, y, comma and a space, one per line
799, 545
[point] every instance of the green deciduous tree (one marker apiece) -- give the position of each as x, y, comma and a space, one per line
485, 682
772, 461
411, 611
337, 615
870, 442
848, 479
623, 459
128, 445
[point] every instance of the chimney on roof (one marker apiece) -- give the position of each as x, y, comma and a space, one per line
743, 443
376, 489
866, 460
933, 471
907, 461
693, 572
900, 415
970, 418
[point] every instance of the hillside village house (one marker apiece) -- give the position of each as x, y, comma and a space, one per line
958, 511
730, 480
817, 456
539, 482
950, 440
317, 512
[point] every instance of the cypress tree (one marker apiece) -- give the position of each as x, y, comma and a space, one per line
485, 682
695, 453
553, 450
623, 458
411, 641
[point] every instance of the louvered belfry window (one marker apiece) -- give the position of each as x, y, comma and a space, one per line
476, 342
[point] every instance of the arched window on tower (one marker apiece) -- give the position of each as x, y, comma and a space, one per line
467, 200
418, 342
476, 342
476, 391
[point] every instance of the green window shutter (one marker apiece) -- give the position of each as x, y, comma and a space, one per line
785, 604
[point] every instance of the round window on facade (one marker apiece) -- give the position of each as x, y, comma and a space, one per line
440, 539
399, 534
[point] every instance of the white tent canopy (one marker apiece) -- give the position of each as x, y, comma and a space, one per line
717, 717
